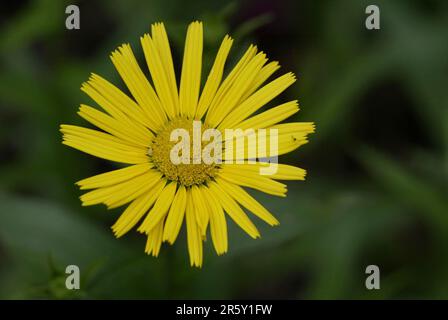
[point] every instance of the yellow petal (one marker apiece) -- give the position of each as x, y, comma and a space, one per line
257, 100
218, 224
194, 238
234, 210
213, 112
160, 39
201, 208
214, 78
261, 77
292, 135
154, 241
175, 216
243, 198
124, 60
242, 82
137, 209
283, 171
190, 81
271, 116
102, 145
117, 103
121, 193
273, 141
295, 128
168, 98
114, 177
253, 180
160, 209
115, 127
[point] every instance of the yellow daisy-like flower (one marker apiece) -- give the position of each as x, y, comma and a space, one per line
137, 131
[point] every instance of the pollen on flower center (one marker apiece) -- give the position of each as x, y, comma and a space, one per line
186, 174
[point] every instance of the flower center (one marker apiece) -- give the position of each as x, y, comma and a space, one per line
160, 154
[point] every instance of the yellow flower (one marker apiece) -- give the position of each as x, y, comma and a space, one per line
137, 131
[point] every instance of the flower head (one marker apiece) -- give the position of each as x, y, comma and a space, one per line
143, 132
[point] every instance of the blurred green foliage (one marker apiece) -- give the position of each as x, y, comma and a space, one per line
376, 192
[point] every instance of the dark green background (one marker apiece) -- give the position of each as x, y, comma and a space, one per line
377, 168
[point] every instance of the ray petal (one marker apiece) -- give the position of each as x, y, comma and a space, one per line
160, 209
160, 79
160, 38
154, 241
117, 103
270, 117
175, 216
115, 127
214, 78
194, 238
253, 180
102, 145
190, 81
230, 99
261, 77
113, 177
137, 209
213, 113
121, 193
257, 100
218, 224
124, 60
234, 210
282, 171
243, 198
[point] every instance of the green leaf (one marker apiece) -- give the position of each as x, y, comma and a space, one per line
411, 191
31, 230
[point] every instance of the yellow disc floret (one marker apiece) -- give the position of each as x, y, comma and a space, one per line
160, 154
